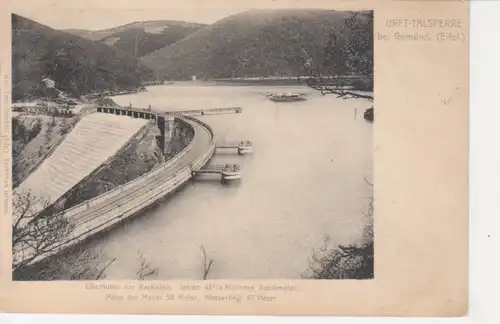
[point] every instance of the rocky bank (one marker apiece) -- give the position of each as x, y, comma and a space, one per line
138, 158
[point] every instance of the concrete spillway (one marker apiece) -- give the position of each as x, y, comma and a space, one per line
93, 140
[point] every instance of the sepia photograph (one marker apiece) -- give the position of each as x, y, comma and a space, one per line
222, 158
162, 146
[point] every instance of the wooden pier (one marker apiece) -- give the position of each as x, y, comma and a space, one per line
227, 172
192, 112
208, 111
243, 147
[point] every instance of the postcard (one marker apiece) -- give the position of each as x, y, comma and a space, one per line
222, 157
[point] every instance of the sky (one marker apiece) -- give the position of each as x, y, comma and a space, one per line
93, 19
102, 14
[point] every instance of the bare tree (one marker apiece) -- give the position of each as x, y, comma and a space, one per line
145, 269
84, 271
207, 264
75, 264
355, 261
37, 229
348, 58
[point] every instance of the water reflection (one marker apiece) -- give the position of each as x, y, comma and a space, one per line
304, 180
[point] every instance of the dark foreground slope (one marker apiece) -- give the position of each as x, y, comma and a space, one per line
252, 43
150, 35
77, 65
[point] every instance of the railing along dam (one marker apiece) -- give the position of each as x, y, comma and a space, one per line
104, 211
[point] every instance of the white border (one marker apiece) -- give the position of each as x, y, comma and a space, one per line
484, 199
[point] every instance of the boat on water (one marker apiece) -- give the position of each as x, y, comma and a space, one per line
287, 97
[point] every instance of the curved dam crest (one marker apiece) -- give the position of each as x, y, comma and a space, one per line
110, 208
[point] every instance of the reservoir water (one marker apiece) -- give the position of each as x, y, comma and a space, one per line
305, 179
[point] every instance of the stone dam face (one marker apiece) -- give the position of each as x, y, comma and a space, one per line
99, 153
92, 141
141, 156
137, 158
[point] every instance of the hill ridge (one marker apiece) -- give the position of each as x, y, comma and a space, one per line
149, 34
255, 42
78, 65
